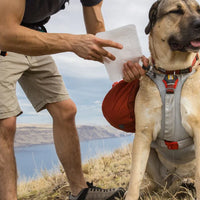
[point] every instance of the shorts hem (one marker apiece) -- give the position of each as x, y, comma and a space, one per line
15, 113
41, 106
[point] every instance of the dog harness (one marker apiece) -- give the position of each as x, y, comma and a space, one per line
173, 142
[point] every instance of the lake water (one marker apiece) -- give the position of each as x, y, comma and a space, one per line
33, 159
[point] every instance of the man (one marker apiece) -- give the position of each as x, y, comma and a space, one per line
24, 46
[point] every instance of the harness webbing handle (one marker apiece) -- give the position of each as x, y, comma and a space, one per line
171, 145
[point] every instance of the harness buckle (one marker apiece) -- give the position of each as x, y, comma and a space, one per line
170, 82
171, 145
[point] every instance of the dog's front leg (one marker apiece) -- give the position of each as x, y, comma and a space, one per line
148, 117
140, 154
197, 153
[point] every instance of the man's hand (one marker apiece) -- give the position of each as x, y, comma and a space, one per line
132, 71
91, 47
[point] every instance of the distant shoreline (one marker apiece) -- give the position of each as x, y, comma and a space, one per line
41, 134
31, 145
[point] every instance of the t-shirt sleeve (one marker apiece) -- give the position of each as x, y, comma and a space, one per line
90, 2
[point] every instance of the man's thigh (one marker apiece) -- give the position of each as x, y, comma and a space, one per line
42, 82
12, 67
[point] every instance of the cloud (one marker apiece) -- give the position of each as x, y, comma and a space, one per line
69, 20
90, 114
73, 66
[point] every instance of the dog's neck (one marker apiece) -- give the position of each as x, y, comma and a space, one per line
170, 60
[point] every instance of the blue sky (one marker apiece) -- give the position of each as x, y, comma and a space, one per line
87, 81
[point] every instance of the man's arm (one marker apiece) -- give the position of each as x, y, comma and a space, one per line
94, 22
19, 39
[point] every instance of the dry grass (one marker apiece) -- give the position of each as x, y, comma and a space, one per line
107, 172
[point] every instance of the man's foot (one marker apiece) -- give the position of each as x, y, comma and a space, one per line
96, 193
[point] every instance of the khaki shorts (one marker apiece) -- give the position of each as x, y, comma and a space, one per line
37, 75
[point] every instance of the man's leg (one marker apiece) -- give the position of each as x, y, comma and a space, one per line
8, 172
67, 142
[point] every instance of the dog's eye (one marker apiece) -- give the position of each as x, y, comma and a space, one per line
198, 10
179, 12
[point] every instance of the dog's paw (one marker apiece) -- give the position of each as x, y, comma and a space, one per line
189, 186
188, 183
187, 190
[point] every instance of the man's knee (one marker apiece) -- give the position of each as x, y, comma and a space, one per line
63, 111
7, 130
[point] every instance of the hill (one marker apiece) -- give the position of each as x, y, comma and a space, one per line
42, 134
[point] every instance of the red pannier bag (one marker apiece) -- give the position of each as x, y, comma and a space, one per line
118, 105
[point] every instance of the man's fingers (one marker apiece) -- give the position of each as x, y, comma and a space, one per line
128, 73
95, 56
109, 43
90, 45
107, 54
103, 53
136, 69
110, 56
126, 76
140, 69
132, 71
100, 43
145, 61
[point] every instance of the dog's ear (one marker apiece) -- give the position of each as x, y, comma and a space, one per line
152, 16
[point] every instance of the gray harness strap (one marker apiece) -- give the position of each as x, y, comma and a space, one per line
172, 136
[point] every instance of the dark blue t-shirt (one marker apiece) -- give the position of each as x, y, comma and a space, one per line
39, 10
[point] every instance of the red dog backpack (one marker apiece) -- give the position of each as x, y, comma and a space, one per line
118, 105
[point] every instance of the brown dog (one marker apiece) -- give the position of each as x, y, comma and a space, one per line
159, 146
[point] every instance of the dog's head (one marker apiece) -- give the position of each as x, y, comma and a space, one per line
175, 23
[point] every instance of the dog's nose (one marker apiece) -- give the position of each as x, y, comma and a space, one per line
196, 25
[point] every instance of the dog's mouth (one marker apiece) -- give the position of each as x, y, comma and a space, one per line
193, 45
